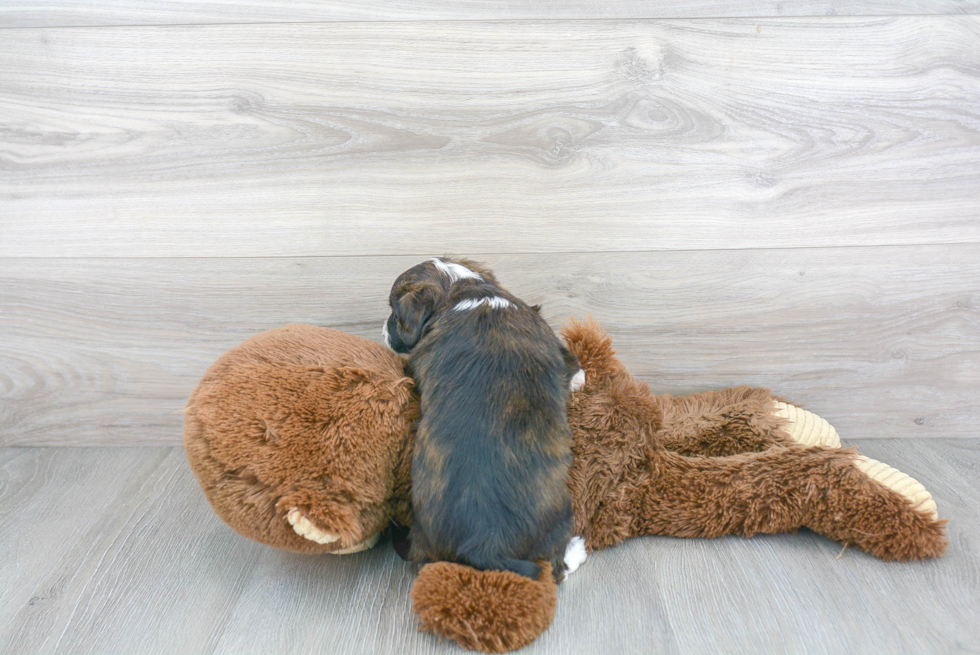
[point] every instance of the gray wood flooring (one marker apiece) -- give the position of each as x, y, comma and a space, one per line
115, 550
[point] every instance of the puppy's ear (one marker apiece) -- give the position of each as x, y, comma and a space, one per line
413, 310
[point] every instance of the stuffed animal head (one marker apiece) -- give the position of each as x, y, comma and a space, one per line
300, 439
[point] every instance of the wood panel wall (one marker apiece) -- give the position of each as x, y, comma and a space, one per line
59, 13
784, 194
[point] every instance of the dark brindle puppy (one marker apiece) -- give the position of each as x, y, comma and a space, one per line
493, 446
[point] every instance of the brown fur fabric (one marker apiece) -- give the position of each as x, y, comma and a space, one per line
719, 423
321, 420
489, 611
780, 490
626, 483
308, 418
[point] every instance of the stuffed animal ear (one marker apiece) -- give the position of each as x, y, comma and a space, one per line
412, 311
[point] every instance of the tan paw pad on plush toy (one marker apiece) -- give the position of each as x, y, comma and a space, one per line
899, 482
304, 528
806, 427
367, 544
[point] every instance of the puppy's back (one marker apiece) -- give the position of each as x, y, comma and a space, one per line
493, 447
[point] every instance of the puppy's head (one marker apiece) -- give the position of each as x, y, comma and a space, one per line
418, 294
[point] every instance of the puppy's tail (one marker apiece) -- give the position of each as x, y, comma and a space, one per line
489, 611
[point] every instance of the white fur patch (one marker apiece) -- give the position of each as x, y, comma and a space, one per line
384, 334
578, 381
473, 303
455, 271
575, 554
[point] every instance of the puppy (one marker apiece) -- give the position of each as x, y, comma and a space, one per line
493, 446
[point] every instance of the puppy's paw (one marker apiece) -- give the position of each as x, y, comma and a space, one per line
578, 381
575, 554
304, 528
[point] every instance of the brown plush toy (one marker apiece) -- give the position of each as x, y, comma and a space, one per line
301, 438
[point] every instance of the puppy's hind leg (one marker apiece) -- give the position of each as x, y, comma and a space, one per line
558, 568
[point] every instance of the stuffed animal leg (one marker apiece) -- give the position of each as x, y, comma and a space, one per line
781, 490
740, 462
738, 420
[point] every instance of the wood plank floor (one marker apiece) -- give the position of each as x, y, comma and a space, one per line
114, 550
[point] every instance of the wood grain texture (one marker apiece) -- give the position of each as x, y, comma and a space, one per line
883, 342
557, 136
116, 550
60, 13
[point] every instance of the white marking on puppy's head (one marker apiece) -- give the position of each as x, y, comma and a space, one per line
575, 554
578, 381
472, 303
384, 334
455, 271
